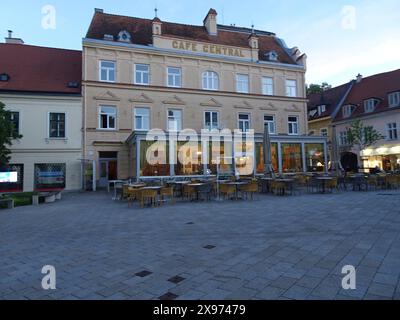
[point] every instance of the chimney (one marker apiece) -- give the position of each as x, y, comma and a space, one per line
98, 10
210, 22
359, 78
157, 24
12, 40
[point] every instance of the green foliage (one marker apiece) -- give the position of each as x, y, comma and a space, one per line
362, 136
318, 88
7, 134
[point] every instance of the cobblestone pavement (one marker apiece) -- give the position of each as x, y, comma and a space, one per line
269, 248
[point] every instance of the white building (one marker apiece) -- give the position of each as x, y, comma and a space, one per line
42, 88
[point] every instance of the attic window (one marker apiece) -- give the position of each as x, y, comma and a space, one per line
4, 77
369, 105
124, 36
73, 84
272, 56
321, 109
108, 37
347, 111
312, 113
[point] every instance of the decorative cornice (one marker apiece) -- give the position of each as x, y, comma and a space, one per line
142, 98
108, 96
294, 108
174, 100
269, 107
211, 103
245, 105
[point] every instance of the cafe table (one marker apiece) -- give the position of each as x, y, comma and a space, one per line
323, 181
236, 184
196, 187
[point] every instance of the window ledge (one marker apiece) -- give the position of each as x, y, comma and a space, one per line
65, 140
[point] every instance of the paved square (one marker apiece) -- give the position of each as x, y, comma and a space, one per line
270, 248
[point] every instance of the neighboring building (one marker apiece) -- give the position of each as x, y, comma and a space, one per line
42, 88
376, 101
141, 74
322, 109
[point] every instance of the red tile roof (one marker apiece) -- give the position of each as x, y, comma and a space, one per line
330, 98
40, 69
141, 32
377, 86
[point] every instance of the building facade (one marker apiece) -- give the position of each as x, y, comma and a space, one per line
374, 100
42, 88
140, 74
322, 110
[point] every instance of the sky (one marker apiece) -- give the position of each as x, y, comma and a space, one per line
341, 38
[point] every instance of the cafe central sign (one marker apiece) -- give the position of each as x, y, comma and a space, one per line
207, 48
201, 47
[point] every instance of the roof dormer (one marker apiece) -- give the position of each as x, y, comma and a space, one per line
272, 56
370, 104
347, 110
124, 36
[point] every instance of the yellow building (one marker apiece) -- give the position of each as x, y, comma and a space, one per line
141, 74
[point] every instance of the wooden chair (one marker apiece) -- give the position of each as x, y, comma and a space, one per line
278, 187
372, 181
391, 182
250, 188
125, 191
227, 190
188, 192
332, 184
148, 196
131, 195
167, 192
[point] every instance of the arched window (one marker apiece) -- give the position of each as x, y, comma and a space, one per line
210, 80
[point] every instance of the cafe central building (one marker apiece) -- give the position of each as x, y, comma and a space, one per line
140, 74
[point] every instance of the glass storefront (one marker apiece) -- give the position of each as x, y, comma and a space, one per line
220, 153
49, 176
233, 158
154, 159
291, 157
260, 157
188, 157
315, 157
12, 178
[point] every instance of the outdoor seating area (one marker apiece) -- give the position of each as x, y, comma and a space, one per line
156, 192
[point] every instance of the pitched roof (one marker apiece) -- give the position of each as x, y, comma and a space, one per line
330, 98
141, 32
377, 86
40, 69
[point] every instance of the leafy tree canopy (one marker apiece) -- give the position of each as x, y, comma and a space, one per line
362, 136
318, 88
7, 134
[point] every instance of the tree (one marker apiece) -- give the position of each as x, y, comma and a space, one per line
362, 136
7, 134
318, 88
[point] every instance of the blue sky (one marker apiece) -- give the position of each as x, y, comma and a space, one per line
340, 38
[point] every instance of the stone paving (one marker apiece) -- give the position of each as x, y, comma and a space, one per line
269, 248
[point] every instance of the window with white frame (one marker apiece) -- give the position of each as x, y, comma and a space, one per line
394, 99
343, 138
321, 109
242, 83
324, 132
211, 120
107, 117
270, 120
174, 77
267, 84
369, 105
56, 125
210, 80
291, 88
347, 111
142, 118
174, 120
293, 125
244, 122
14, 119
107, 71
142, 74
392, 131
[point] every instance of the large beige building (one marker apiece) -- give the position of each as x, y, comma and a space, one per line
41, 88
140, 74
